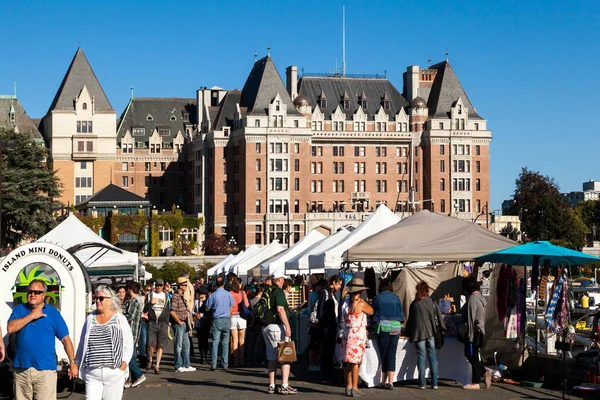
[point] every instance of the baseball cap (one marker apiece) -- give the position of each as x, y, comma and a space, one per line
159, 281
280, 274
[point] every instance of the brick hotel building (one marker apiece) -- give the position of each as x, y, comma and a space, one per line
274, 160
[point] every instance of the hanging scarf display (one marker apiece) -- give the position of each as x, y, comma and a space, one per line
508, 300
552, 306
562, 309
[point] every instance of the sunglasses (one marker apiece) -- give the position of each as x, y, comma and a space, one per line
36, 292
101, 298
158, 284
183, 284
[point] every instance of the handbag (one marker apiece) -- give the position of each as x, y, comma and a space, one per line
438, 334
244, 311
286, 352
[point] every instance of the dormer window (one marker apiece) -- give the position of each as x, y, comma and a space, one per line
346, 104
459, 109
11, 114
149, 117
84, 106
173, 118
277, 106
363, 104
346, 101
323, 104
386, 105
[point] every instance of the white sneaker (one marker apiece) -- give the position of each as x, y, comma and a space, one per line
190, 369
182, 369
138, 381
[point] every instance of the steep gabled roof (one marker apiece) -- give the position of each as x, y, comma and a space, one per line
261, 87
227, 110
80, 74
21, 122
114, 195
446, 89
338, 89
164, 112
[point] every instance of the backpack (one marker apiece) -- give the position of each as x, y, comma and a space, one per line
263, 314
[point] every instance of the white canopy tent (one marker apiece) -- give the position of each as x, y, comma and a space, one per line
299, 263
277, 262
225, 266
98, 256
242, 268
213, 270
331, 258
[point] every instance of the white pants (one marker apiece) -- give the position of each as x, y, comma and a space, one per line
105, 383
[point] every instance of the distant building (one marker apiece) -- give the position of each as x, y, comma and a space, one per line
591, 191
14, 116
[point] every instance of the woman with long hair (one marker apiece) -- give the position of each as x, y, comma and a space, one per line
238, 324
473, 313
105, 348
388, 318
354, 339
423, 318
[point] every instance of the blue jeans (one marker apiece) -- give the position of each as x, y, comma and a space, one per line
387, 344
421, 345
220, 333
134, 369
143, 339
182, 346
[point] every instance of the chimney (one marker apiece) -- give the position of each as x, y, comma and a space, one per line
291, 74
412, 82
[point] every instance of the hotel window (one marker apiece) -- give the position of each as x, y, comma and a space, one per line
313, 186
476, 126
477, 206
416, 167
319, 168
313, 167
356, 185
477, 185
461, 166
124, 166
441, 125
378, 186
296, 206
477, 166
125, 181
313, 151
296, 148
278, 148
297, 184
83, 165
296, 124
356, 151
378, 168
258, 235
258, 165
258, 148
346, 104
477, 150
319, 186
443, 205
384, 168
163, 166
296, 165
442, 150
257, 207
341, 187
80, 146
89, 146
356, 168
258, 184
442, 185
257, 123
442, 166
138, 131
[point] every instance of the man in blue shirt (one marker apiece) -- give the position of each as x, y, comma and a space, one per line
36, 325
220, 303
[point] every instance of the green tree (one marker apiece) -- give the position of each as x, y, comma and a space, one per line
544, 216
171, 270
29, 187
589, 212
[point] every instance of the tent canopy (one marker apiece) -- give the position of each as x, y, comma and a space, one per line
427, 236
213, 270
299, 263
537, 253
242, 268
382, 218
277, 262
97, 255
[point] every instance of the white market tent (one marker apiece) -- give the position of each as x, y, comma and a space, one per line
224, 267
98, 256
277, 262
331, 258
242, 268
427, 236
213, 270
299, 264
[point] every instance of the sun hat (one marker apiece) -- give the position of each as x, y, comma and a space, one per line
356, 285
280, 274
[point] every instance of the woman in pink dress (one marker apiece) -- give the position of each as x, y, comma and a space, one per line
354, 340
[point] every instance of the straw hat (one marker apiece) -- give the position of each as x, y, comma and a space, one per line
356, 285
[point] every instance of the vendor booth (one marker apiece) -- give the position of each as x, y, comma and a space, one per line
331, 258
68, 284
243, 268
426, 236
277, 262
299, 264
221, 265
99, 257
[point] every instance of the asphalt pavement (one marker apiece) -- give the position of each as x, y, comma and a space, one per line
252, 383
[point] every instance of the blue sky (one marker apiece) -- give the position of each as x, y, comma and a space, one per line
529, 67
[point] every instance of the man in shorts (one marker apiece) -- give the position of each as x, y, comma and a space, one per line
158, 307
279, 331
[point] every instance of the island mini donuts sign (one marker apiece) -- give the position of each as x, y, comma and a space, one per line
37, 249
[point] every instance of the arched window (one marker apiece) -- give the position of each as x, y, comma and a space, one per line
84, 106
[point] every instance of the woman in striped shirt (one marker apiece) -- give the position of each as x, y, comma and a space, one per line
105, 348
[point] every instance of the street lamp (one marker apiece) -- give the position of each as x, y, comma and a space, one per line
484, 211
232, 244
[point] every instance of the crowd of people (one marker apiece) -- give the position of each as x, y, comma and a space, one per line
130, 327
